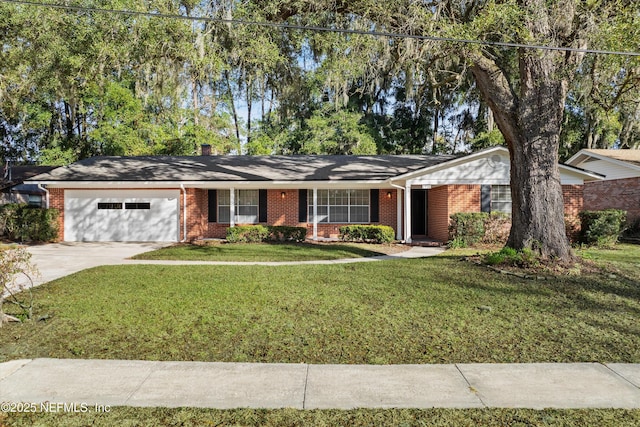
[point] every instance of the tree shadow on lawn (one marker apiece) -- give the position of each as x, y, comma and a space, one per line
560, 292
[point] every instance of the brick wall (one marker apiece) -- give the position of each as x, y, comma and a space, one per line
446, 200
388, 209
573, 199
56, 201
196, 214
614, 194
284, 211
573, 204
438, 213
464, 198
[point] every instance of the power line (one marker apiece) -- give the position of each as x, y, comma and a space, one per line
320, 29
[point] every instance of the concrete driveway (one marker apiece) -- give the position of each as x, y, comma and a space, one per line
61, 259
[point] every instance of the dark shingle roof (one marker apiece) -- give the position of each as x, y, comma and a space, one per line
19, 174
242, 168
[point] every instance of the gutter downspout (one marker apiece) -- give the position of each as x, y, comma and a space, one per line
401, 220
46, 197
184, 213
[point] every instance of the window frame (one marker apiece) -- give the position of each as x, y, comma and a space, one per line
501, 195
335, 202
240, 196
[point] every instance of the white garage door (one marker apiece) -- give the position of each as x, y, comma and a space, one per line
121, 215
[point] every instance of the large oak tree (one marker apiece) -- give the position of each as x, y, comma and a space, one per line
525, 87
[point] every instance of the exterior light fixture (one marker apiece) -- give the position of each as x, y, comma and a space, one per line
389, 194
283, 194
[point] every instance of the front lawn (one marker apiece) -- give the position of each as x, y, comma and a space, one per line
267, 252
623, 259
433, 310
160, 417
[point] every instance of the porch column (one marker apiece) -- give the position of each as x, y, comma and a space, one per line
399, 214
232, 207
315, 214
407, 213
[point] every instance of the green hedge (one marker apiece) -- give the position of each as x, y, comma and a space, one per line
262, 233
469, 228
22, 222
283, 233
247, 234
602, 228
367, 233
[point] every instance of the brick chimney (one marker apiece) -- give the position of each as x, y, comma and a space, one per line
206, 149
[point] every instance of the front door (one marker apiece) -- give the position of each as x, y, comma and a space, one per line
419, 212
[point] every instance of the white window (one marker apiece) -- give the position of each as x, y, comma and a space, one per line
340, 206
246, 206
501, 198
35, 200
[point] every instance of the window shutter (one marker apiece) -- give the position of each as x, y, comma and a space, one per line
485, 198
262, 206
374, 202
213, 205
303, 211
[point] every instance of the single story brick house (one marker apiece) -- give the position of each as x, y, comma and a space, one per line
175, 199
620, 186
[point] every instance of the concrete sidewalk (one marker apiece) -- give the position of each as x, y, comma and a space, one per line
303, 386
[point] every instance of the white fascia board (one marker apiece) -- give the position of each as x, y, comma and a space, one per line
571, 174
577, 158
450, 163
582, 174
583, 154
216, 184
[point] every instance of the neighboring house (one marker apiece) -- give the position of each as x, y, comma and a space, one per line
620, 188
187, 198
13, 189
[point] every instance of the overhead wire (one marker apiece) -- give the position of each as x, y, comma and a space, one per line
312, 28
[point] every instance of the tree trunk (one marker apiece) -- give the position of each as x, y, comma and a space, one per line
234, 112
530, 118
531, 122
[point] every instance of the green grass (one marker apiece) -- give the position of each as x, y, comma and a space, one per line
264, 252
151, 417
623, 259
431, 310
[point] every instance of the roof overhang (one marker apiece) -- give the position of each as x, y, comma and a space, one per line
489, 153
450, 163
338, 184
584, 154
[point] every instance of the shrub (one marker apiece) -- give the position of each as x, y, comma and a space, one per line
467, 228
602, 228
496, 228
16, 262
261, 233
633, 230
367, 233
457, 243
24, 223
247, 234
283, 233
9, 215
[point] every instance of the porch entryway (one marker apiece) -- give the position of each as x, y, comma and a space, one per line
419, 203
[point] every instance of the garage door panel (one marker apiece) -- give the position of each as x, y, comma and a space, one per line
122, 215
